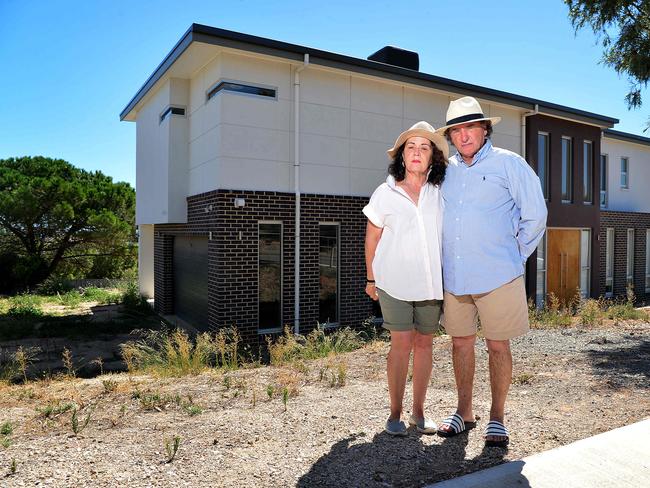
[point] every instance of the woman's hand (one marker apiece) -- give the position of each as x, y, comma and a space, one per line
371, 291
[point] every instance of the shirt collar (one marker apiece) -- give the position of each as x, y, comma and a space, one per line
481, 154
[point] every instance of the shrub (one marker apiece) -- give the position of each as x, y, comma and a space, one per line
175, 354
318, 343
26, 306
590, 312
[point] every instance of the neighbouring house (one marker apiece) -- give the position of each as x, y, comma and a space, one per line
240, 137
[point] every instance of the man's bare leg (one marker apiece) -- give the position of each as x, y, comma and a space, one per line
500, 378
464, 360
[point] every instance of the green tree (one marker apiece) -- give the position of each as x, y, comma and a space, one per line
623, 29
52, 213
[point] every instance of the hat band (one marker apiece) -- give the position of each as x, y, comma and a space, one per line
465, 118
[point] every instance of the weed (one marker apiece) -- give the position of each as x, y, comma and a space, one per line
341, 374
26, 306
53, 409
68, 363
285, 397
71, 299
227, 342
101, 295
270, 390
254, 398
192, 409
133, 302
77, 427
170, 353
6, 429
318, 344
5, 442
13, 466
23, 358
522, 379
109, 385
590, 312
227, 382
171, 448
99, 361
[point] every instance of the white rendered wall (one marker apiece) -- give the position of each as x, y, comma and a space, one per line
234, 141
347, 122
145, 260
162, 157
635, 198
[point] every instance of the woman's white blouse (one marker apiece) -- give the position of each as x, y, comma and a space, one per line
407, 263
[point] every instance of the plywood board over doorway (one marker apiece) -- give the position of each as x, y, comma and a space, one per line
563, 255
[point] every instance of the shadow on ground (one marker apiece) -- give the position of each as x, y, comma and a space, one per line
624, 365
396, 462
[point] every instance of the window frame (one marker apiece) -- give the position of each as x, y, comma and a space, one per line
172, 110
585, 263
610, 241
540, 303
569, 171
647, 260
544, 164
587, 173
336, 323
271, 330
604, 164
625, 173
221, 86
629, 258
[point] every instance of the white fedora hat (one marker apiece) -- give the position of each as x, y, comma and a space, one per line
421, 129
463, 111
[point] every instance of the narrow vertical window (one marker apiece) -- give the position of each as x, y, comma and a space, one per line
328, 264
270, 276
567, 170
609, 263
540, 295
603, 180
625, 173
647, 260
630, 257
587, 172
543, 161
585, 262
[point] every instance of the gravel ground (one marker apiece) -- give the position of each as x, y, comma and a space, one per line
568, 384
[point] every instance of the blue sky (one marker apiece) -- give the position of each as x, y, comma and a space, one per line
68, 68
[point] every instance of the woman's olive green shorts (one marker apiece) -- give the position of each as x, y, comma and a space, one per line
404, 316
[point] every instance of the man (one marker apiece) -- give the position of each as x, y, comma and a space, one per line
494, 217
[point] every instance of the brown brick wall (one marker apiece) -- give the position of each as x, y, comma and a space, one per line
232, 255
620, 222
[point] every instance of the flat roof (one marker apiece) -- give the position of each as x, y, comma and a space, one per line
627, 137
221, 37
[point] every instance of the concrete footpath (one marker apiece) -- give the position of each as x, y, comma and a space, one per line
616, 459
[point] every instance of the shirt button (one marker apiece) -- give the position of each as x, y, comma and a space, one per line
457, 219
460, 201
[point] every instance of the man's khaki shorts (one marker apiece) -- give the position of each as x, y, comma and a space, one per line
503, 312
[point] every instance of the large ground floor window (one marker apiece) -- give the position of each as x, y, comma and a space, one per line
270, 276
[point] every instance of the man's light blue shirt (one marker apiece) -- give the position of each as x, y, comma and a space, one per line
494, 217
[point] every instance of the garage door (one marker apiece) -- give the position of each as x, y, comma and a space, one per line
191, 280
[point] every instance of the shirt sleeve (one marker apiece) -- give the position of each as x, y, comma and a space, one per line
526, 191
374, 210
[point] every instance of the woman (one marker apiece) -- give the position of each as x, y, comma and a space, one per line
403, 263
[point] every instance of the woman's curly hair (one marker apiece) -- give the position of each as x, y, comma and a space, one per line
438, 166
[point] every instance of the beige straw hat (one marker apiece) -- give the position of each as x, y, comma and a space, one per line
463, 111
421, 129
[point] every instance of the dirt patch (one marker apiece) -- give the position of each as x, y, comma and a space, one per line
235, 431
